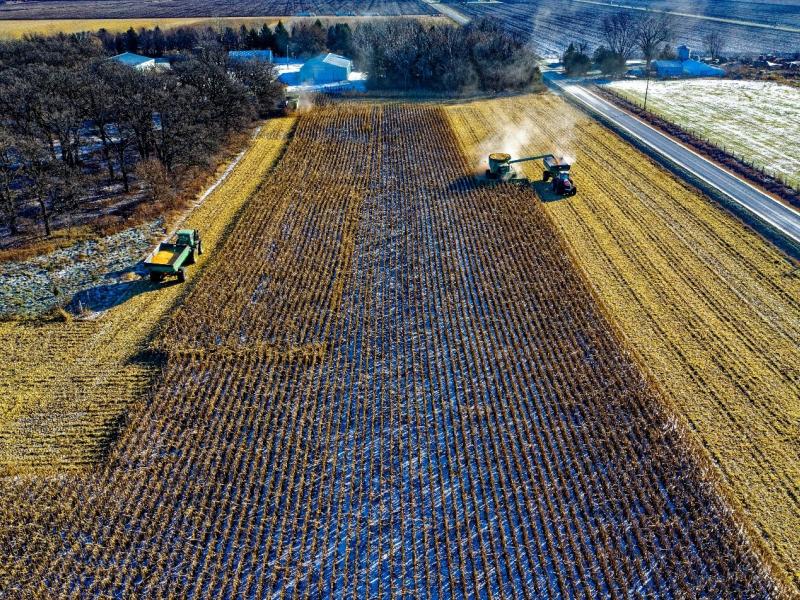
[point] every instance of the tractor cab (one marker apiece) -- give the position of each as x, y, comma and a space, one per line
186, 237
291, 103
562, 184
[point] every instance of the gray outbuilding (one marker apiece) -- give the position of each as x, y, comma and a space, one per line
326, 68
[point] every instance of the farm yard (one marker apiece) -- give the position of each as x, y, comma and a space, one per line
115, 9
552, 28
756, 120
709, 307
66, 388
409, 388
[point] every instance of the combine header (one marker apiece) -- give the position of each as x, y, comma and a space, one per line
555, 169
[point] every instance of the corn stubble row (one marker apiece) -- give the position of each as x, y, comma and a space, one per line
709, 306
389, 383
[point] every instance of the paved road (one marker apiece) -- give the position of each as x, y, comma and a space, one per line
781, 217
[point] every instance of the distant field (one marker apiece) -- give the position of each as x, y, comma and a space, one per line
17, 28
13, 29
783, 12
112, 9
551, 29
757, 120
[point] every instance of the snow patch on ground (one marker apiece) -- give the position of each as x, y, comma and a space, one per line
31, 287
756, 120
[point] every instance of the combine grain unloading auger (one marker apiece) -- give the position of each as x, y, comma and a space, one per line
557, 169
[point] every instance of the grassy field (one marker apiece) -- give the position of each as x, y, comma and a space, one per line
17, 28
65, 388
388, 380
756, 120
707, 305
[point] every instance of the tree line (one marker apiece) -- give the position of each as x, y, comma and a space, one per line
408, 55
304, 39
397, 54
626, 34
73, 122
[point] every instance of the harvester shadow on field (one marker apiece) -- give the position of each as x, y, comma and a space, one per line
108, 295
545, 193
542, 190
470, 181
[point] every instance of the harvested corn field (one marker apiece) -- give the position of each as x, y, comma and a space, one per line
708, 306
65, 388
406, 389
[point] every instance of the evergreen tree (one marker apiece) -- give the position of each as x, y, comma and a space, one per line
131, 40
266, 39
282, 38
340, 39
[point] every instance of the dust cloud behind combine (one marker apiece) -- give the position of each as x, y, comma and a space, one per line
523, 136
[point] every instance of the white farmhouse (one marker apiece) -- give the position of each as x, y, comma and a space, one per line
326, 68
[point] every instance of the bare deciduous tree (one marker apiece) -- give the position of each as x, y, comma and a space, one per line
651, 33
714, 43
620, 33
11, 172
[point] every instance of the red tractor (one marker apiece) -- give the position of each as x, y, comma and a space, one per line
558, 170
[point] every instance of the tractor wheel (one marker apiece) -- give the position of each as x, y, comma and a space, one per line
156, 277
181, 276
200, 247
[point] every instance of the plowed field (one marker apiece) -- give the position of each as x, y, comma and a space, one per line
389, 382
709, 307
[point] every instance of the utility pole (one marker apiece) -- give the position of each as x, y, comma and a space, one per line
647, 87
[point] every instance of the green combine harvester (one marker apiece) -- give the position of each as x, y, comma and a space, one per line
170, 259
557, 169
291, 103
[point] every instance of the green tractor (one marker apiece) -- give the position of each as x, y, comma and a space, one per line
170, 259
